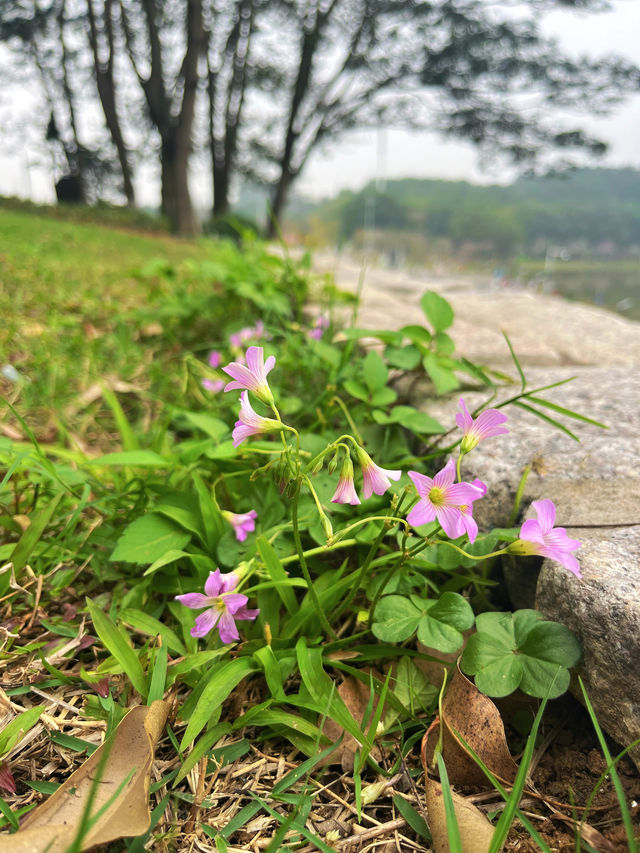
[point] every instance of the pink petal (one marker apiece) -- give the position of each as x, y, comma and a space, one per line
449, 518
228, 582
213, 584
255, 361
422, 483
195, 600
461, 494
469, 524
242, 432
345, 492
546, 512
463, 418
488, 423
243, 376
532, 532
446, 476
227, 628
557, 538
244, 613
269, 364
204, 623
234, 601
422, 513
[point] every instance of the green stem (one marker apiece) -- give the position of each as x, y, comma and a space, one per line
305, 570
361, 521
348, 417
381, 588
367, 562
321, 549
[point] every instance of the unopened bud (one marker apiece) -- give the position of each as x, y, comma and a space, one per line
333, 464
326, 526
317, 467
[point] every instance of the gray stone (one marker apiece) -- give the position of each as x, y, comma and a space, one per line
603, 609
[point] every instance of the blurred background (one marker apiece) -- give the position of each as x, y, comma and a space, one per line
464, 135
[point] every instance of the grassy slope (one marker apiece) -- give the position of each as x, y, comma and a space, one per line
65, 292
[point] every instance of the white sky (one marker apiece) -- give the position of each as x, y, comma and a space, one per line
361, 156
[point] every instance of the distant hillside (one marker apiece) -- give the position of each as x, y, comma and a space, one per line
589, 211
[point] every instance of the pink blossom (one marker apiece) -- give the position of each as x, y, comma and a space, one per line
213, 385
215, 358
375, 479
250, 423
223, 605
253, 376
318, 329
541, 537
235, 340
346, 491
487, 423
243, 523
442, 499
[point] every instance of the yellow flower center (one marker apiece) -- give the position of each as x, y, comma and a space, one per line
436, 496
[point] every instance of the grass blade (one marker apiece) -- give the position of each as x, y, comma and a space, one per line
611, 767
115, 644
546, 418
523, 381
453, 830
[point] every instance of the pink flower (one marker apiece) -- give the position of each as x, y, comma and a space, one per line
346, 491
235, 340
375, 478
243, 523
213, 385
215, 358
541, 537
487, 423
442, 499
253, 377
318, 329
223, 605
250, 423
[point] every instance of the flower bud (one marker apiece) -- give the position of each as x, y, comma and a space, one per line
333, 464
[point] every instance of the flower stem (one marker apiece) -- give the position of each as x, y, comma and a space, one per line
305, 570
348, 417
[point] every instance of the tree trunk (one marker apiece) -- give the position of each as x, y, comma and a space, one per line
176, 200
278, 202
107, 92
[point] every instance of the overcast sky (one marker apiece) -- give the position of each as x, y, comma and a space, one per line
361, 156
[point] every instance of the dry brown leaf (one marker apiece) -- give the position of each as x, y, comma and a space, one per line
355, 696
475, 830
53, 826
474, 717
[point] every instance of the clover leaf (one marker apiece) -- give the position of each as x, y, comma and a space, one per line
438, 623
520, 650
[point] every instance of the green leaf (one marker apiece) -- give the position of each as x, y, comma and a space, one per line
152, 627
18, 727
452, 609
134, 458
501, 677
405, 358
374, 371
203, 746
396, 619
415, 821
438, 635
218, 685
552, 642
546, 418
31, 536
417, 335
116, 645
127, 434
213, 427
277, 573
158, 675
147, 539
169, 557
542, 678
437, 310
443, 378
356, 389
569, 413
383, 397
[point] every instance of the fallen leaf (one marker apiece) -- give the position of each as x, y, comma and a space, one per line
475, 830
469, 714
122, 791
